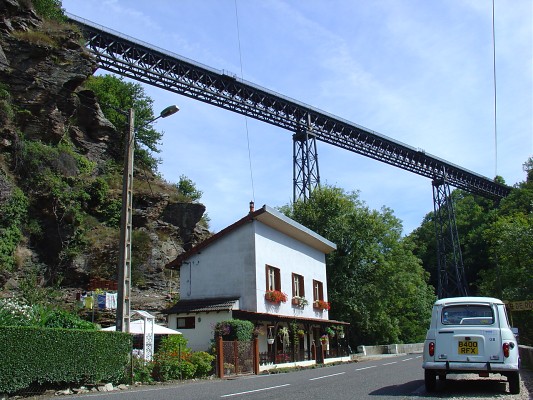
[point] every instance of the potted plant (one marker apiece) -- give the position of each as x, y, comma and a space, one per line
275, 296
300, 333
330, 332
324, 339
270, 336
321, 305
340, 331
299, 301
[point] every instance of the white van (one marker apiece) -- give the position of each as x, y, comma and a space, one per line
470, 335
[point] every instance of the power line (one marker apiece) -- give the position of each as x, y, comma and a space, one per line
245, 117
494, 82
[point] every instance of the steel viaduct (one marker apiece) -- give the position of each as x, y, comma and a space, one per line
146, 63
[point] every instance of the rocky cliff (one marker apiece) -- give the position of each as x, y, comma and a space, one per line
60, 174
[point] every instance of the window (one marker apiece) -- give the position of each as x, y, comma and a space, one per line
318, 291
467, 315
186, 323
298, 286
273, 279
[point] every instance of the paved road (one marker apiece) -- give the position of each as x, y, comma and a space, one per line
399, 377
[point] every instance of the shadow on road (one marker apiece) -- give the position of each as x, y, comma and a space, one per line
450, 388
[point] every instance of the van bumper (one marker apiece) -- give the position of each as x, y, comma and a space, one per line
459, 367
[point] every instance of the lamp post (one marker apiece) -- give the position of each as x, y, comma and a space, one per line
124, 259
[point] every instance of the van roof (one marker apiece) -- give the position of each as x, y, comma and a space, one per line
468, 299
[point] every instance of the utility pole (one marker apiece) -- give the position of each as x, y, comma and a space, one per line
124, 258
126, 228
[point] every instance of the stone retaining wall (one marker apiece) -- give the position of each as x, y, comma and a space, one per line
391, 349
526, 355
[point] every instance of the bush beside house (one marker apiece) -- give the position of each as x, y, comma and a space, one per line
46, 356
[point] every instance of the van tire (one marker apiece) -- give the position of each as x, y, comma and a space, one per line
514, 382
430, 379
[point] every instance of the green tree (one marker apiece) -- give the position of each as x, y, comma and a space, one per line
116, 97
51, 9
187, 188
374, 280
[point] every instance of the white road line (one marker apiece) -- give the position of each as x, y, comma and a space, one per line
256, 390
418, 357
327, 376
407, 359
360, 369
394, 362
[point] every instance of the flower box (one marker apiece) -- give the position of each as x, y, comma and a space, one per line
321, 305
275, 296
299, 301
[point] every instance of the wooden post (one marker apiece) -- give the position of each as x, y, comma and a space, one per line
256, 356
236, 355
220, 357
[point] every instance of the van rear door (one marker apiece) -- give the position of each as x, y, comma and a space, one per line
469, 333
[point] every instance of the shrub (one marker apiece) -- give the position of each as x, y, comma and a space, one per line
203, 362
234, 329
172, 361
49, 356
14, 312
142, 370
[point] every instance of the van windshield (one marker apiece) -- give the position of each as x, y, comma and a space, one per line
465, 314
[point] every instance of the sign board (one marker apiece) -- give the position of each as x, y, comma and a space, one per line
520, 305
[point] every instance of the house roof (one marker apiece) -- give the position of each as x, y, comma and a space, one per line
228, 304
204, 305
272, 218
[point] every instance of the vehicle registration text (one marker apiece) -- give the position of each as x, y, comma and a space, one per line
467, 347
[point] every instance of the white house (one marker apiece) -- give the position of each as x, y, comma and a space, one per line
242, 271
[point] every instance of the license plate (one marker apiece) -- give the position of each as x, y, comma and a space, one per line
467, 347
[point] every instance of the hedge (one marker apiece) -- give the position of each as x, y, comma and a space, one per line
234, 329
40, 355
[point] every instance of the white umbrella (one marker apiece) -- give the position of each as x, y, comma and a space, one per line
137, 328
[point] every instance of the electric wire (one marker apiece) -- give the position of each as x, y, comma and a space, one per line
494, 83
245, 117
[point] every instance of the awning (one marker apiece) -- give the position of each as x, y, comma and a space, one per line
137, 328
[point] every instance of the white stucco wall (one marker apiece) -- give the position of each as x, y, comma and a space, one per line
223, 269
199, 339
290, 256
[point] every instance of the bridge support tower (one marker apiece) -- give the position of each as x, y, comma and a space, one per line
450, 270
306, 176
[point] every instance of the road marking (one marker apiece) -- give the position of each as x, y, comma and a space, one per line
254, 391
394, 362
360, 369
407, 359
327, 376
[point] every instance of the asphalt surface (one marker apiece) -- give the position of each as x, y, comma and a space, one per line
387, 378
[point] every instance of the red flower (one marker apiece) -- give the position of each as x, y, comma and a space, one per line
275, 296
321, 304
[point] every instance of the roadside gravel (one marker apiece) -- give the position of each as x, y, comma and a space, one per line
465, 387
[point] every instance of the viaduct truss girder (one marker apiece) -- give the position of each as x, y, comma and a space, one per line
128, 57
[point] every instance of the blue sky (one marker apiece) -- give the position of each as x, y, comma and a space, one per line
418, 71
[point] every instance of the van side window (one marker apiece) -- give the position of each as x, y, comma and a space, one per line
467, 315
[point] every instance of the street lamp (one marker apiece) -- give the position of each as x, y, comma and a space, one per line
124, 258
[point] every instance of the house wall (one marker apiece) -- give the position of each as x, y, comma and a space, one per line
290, 256
199, 338
226, 268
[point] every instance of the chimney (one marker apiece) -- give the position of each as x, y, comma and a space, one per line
252, 207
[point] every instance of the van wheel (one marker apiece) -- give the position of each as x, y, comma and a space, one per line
430, 379
514, 382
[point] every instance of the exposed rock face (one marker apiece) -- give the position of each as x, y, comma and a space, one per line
42, 70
